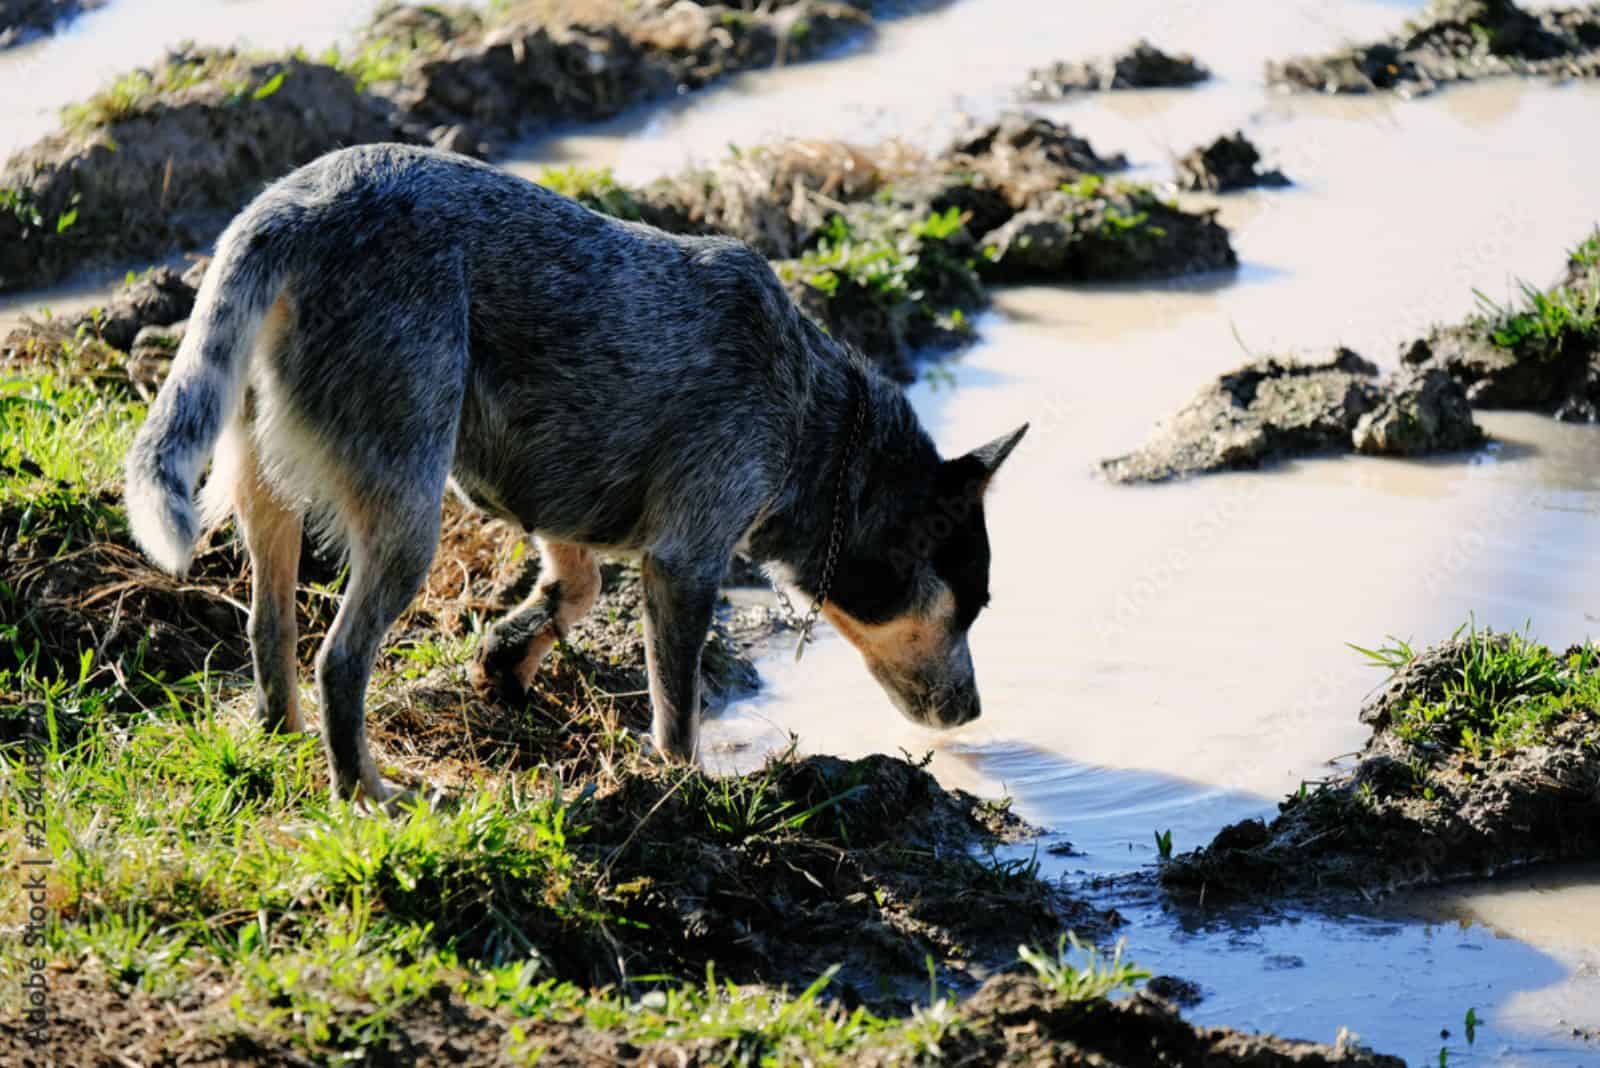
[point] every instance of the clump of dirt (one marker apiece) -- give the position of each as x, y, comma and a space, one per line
536, 64
125, 345
76, 583
1094, 230
1019, 1023
1274, 409
23, 20
1485, 754
1540, 352
1144, 66
770, 875
1226, 164
887, 247
1457, 40
164, 159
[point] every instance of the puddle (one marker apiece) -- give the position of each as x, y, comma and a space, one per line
1173, 657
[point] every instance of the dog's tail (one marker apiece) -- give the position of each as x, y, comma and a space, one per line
199, 397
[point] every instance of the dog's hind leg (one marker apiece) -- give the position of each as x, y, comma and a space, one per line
389, 559
569, 580
272, 536
679, 599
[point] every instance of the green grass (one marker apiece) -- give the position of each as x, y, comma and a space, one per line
137, 91
1507, 692
1547, 323
595, 188
1085, 984
1114, 209
898, 259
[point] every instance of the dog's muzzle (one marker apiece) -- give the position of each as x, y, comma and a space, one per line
942, 694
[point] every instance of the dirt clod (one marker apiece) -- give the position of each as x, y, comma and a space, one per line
1453, 41
1142, 67
1277, 408
1226, 164
1449, 785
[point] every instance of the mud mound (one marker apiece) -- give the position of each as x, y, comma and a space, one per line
1104, 231
1021, 1023
886, 247
125, 346
164, 158
770, 875
1485, 754
1540, 351
1226, 164
23, 20
76, 584
1142, 67
1275, 409
526, 69
1457, 40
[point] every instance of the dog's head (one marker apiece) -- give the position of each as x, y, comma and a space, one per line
907, 600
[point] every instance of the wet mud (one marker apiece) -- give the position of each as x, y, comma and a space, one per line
1275, 409
890, 248
167, 161
1485, 755
162, 158
1456, 41
1144, 66
1229, 163
476, 84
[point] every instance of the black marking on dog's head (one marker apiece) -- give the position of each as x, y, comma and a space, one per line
936, 538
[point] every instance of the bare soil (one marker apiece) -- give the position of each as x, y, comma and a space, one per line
1144, 66
1274, 409
1455, 41
1226, 164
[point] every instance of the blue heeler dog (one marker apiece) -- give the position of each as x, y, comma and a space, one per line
388, 319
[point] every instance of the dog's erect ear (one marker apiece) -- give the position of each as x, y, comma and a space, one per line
981, 463
992, 455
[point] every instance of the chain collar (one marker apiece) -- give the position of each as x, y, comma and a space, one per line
836, 531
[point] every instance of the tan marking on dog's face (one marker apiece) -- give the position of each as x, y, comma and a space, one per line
919, 659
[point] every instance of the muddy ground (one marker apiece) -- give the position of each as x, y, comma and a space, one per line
1144, 66
1011, 1020
1274, 409
1227, 164
1454, 41
890, 248
1485, 755
1539, 350
161, 158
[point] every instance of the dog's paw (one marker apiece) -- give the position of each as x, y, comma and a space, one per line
420, 795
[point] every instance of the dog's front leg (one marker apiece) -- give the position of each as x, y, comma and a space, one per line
679, 598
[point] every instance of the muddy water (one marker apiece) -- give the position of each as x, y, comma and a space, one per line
1175, 657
